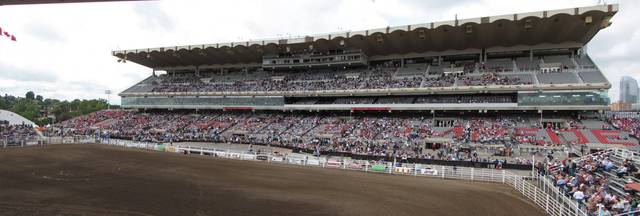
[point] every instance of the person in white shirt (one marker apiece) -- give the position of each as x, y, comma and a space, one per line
578, 196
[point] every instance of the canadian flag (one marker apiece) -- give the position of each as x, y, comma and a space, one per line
10, 36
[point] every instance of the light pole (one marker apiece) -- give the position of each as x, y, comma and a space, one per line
108, 93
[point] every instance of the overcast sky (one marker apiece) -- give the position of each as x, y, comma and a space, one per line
64, 50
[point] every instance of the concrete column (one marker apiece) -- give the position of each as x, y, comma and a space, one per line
197, 71
530, 55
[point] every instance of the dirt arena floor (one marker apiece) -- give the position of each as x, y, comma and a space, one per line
103, 180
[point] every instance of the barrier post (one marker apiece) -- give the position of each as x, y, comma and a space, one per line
344, 163
391, 168
562, 202
547, 203
503, 176
442, 171
415, 169
472, 172
493, 179
366, 166
535, 194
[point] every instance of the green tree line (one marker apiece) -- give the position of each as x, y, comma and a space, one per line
44, 111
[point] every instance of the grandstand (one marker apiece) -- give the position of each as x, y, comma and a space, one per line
452, 71
468, 57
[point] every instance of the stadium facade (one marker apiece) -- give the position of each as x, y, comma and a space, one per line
530, 61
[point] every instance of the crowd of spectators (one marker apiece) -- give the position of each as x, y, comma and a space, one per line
10, 132
83, 124
466, 99
367, 135
490, 78
586, 181
381, 77
629, 124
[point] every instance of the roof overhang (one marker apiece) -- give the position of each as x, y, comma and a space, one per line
25, 2
575, 26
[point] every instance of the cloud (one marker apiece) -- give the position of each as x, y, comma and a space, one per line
41, 30
154, 17
8, 72
64, 50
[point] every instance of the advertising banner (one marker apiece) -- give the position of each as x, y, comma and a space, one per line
170, 149
220, 153
299, 161
403, 170
313, 162
378, 168
428, 171
357, 165
248, 157
334, 164
159, 147
233, 155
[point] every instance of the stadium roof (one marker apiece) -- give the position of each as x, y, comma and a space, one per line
24, 2
563, 28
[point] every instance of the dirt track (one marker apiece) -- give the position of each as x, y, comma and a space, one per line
102, 180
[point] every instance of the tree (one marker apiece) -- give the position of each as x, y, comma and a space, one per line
27, 108
30, 95
37, 108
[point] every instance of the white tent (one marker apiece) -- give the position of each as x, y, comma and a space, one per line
14, 119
